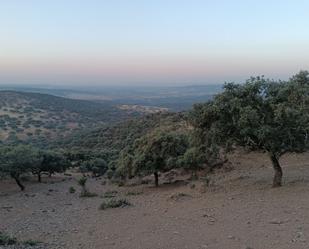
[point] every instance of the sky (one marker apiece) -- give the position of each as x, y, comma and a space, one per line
145, 42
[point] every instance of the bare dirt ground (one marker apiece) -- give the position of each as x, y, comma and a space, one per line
239, 210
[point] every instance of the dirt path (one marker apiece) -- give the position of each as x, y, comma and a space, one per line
239, 211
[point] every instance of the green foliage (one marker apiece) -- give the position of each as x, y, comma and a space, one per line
18, 160
114, 203
31, 242
51, 116
258, 115
7, 240
50, 162
72, 190
193, 159
158, 152
107, 142
82, 181
15, 161
97, 166
124, 163
110, 173
87, 194
134, 193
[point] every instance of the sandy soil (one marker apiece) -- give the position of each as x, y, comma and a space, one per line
239, 210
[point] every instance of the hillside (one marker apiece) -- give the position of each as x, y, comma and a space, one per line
36, 117
108, 140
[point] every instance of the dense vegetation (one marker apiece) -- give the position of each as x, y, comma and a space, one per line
36, 118
16, 161
259, 115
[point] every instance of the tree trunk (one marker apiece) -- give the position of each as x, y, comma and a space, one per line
277, 182
156, 176
39, 177
17, 180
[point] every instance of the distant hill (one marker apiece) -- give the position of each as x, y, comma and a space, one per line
36, 117
46, 113
173, 98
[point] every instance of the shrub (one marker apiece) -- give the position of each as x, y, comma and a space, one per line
110, 194
72, 190
82, 181
97, 166
31, 242
109, 173
87, 193
133, 193
7, 240
115, 203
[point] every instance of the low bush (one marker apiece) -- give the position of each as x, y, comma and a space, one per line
7, 240
110, 194
133, 193
87, 194
82, 181
31, 242
72, 190
114, 203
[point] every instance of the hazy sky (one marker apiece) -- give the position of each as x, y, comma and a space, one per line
151, 42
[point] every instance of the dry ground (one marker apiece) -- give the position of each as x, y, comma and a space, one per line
239, 210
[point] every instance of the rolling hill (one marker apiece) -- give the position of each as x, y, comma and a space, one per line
108, 140
37, 118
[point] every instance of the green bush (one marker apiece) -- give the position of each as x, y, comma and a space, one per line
7, 240
72, 190
110, 194
133, 193
109, 173
87, 194
114, 203
82, 181
31, 242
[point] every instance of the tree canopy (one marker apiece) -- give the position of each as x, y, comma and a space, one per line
259, 115
158, 152
17, 160
22, 159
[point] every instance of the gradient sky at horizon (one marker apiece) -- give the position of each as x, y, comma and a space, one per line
162, 42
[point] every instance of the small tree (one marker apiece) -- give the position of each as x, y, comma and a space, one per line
194, 160
18, 160
50, 162
259, 115
97, 166
153, 153
82, 182
124, 163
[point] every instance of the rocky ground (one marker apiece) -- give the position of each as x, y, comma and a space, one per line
238, 210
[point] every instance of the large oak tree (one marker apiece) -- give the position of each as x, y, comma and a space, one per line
260, 115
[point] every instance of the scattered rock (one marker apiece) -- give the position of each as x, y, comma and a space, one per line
231, 237
276, 222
